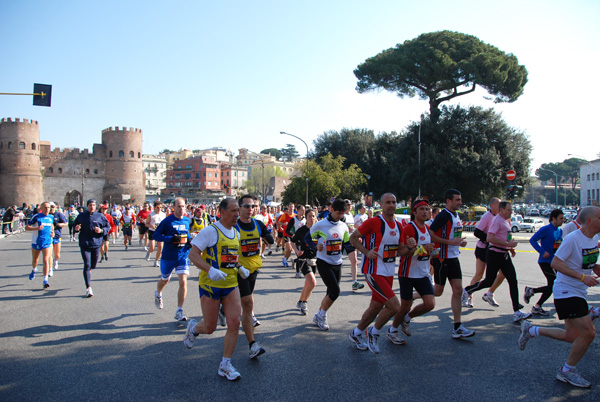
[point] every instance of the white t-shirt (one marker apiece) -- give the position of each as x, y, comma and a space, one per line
570, 227
579, 252
156, 218
350, 222
359, 219
209, 236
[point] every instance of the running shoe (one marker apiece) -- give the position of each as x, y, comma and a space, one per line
228, 371
284, 262
158, 301
405, 327
395, 338
465, 298
489, 297
520, 316
539, 311
357, 285
46, 285
372, 341
55, 265
89, 293
156, 264
106, 257
179, 316
358, 341
462, 332
255, 322
189, 337
572, 377
147, 256
277, 249
51, 272
32, 274
528, 294
321, 322
470, 302
256, 350
221, 319
270, 252
594, 313
303, 308
298, 275
126, 248
525, 336
146, 248
101, 258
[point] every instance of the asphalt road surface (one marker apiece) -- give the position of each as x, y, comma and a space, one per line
57, 345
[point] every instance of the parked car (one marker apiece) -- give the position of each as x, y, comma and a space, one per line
533, 212
515, 223
531, 224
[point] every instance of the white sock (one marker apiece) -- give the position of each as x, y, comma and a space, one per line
375, 331
534, 331
225, 360
46, 278
356, 332
322, 313
393, 329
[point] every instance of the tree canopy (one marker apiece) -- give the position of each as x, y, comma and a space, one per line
440, 66
272, 151
289, 153
567, 170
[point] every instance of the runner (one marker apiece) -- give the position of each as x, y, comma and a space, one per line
414, 270
267, 220
283, 222
576, 262
380, 244
116, 216
501, 244
329, 234
72, 215
41, 242
251, 231
215, 251
294, 224
92, 226
141, 218
155, 218
306, 260
349, 248
106, 239
446, 232
127, 223
546, 241
174, 232
60, 221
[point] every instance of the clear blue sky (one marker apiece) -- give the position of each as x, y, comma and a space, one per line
198, 74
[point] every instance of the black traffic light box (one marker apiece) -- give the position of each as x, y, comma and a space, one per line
42, 95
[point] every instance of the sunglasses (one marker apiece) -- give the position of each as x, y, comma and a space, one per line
247, 205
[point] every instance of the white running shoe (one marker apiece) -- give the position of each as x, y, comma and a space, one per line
158, 302
358, 341
156, 264
489, 298
462, 332
528, 294
594, 313
395, 338
147, 256
321, 322
405, 327
255, 322
256, 350
520, 316
372, 341
88, 292
572, 377
525, 335
465, 298
51, 272
55, 265
228, 371
179, 316
303, 307
189, 337
298, 275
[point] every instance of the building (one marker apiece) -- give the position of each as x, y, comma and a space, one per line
233, 179
195, 175
32, 172
155, 171
589, 175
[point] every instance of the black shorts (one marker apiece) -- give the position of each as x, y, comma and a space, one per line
246, 286
143, 229
306, 267
105, 237
280, 235
447, 269
571, 307
150, 234
421, 285
348, 248
481, 253
287, 239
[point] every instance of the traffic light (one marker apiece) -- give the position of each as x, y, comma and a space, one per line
510, 192
518, 191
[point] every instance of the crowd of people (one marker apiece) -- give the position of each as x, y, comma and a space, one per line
229, 241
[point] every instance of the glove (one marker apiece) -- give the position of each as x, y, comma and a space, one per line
176, 239
189, 241
216, 274
243, 272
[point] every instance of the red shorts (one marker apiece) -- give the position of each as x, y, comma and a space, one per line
381, 287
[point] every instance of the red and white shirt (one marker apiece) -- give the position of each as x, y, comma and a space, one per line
384, 237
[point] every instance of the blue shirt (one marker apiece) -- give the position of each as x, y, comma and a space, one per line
42, 238
165, 231
548, 238
88, 238
59, 218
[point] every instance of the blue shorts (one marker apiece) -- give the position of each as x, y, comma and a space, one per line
214, 293
56, 240
41, 246
127, 231
181, 267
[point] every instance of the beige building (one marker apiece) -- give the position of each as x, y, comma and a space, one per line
155, 171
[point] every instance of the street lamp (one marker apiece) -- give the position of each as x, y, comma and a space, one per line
295, 136
555, 182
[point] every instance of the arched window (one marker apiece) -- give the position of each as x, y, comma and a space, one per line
51, 170
59, 170
87, 171
9, 145
21, 145
95, 171
33, 146
121, 154
131, 154
139, 155
110, 154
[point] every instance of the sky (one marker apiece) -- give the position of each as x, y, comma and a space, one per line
233, 74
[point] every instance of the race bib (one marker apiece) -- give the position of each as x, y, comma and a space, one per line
458, 231
390, 251
229, 257
250, 247
590, 257
556, 244
333, 247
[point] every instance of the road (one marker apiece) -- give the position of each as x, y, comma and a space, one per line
116, 346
